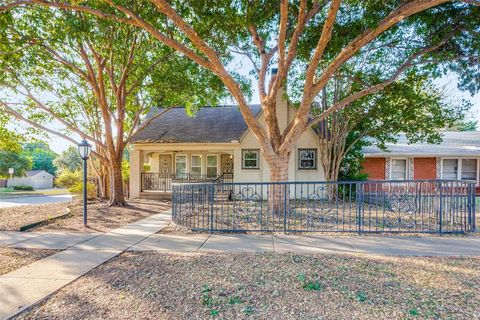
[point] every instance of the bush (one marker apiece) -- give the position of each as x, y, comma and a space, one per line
68, 179
23, 188
78, 188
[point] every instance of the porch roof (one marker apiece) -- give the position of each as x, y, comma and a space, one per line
211, 124
453, 144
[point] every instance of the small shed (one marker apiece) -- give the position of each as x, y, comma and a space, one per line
38, 179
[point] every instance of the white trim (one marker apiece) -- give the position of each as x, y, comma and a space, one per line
206, 163
186, 162
406, 166
459, 169
191, 162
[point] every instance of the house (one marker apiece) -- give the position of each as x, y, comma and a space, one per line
215, 144
38, 179
457, 157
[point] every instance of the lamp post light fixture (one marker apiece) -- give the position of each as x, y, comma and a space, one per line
84, 148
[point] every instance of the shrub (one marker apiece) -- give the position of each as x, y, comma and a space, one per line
78, 188
67, 178
23, 188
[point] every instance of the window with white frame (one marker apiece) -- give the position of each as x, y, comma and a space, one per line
250, 158
180, 164
307, 159
196, 167
398, 169
469, 169
212, 161
450, 169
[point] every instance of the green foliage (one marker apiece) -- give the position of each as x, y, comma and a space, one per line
41, 155
78, 189
309, 285
68, 160
126, 170
18, 162
68, 179
464, 125
23, 188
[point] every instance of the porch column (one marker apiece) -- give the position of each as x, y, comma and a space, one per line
136, 169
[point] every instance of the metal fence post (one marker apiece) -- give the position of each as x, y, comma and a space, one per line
440, 211
212, 199
285, 208
360, 204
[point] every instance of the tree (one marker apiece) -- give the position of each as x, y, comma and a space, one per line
412, 106
9, 140
18, 162
93, 78
309, 41
69, 160
41, 156
464, 125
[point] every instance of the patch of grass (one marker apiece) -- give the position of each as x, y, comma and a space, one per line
248, 310
234, 300
309, 285
360, 296
413, 312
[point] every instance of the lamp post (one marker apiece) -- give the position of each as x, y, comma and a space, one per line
84, 148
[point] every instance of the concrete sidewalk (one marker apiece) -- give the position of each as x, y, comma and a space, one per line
376, 245
25, 286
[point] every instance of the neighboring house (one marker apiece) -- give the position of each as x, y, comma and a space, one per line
216, 143
38, 179
456, 157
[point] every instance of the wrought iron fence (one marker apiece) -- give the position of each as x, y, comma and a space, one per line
420, 206
162, 181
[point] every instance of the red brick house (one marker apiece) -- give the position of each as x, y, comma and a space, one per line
456, 157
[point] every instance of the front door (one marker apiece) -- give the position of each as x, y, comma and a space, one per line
226, 164
165, 169
165, 164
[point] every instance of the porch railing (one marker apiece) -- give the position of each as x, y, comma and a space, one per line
151, 181
420, 206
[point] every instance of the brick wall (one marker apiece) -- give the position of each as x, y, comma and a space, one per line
374, 168
425, 168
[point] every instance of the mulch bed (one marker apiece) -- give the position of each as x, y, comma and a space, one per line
102, 218
151, 285
12, 259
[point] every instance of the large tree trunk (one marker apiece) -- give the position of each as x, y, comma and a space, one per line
117, 197
278, 193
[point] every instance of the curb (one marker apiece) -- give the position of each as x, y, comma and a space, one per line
37, 223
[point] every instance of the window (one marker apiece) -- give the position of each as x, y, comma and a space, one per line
212, 166
399, 169
307, 159
180, 164
250, 158
196, 167
469, 169
450, 169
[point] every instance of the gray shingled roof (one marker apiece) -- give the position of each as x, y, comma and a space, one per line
211, 124
453, 144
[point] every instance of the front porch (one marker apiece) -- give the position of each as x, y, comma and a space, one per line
153, 172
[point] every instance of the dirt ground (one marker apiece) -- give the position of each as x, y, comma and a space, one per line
269, 286
12, 259
102, 218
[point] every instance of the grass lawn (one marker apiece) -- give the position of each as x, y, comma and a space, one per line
11, 193
101, 218
151, 285
12, 259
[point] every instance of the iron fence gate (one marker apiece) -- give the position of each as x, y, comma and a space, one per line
420, 206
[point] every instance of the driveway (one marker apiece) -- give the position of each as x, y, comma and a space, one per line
33, 200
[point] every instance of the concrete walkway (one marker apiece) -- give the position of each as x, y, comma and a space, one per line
25, 286
376, 245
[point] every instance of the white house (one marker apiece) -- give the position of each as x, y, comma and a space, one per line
38, 179
216, 143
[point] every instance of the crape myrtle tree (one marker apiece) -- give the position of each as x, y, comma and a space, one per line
77, 76
309, 41
412, 106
